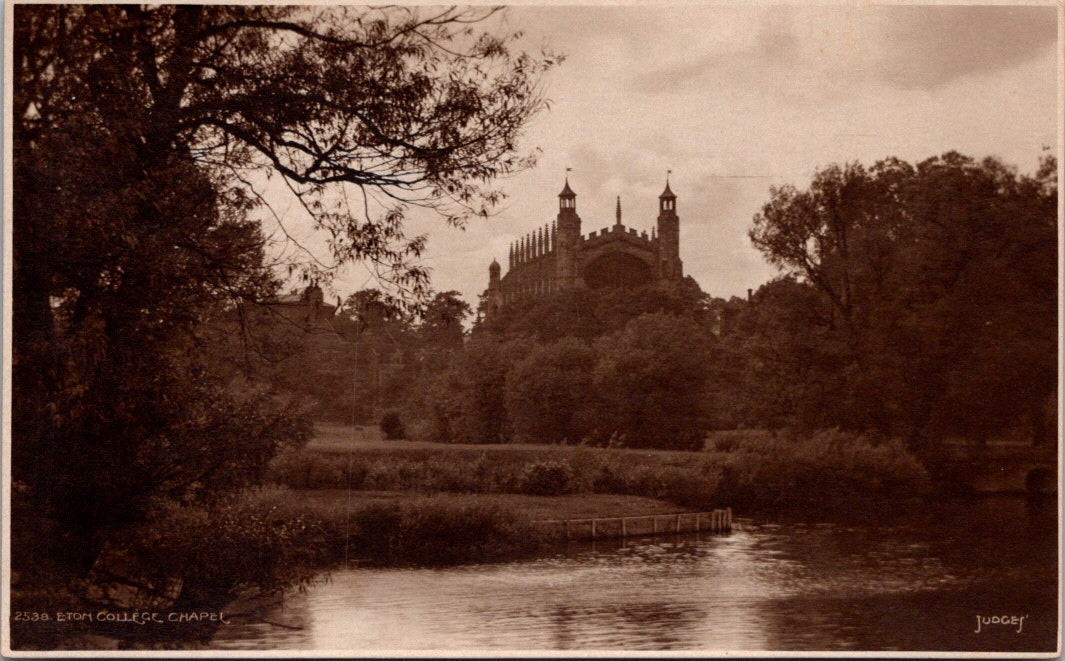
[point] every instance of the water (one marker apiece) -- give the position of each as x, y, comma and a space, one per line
914, 580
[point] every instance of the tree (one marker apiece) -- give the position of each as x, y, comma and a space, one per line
590, 313
941, 280
780, 361
650, 379
549, 395
441, 325
142, 136
463, 401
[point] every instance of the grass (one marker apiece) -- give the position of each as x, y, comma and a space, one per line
331, 438
415, 503
746, 470
534, 508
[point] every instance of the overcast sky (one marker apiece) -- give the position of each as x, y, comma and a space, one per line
735, 100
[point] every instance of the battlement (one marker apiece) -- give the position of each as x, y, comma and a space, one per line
619, 231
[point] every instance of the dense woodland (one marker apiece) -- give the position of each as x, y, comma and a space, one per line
915, 301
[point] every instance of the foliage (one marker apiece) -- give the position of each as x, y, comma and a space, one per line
546, 478
392, 426
591, 313
829, 468
780, 361
431, 532
755, 469
649, 379
936, 295
463, 402
441, 323
267, 539
251, 540
143, 137
549, 391
641, 386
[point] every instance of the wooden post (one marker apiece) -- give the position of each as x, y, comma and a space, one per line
593, 528
728, 518
678, 523
623, 531
567, 530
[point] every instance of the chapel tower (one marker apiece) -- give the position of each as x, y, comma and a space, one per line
568, 231
558, 257
669, 264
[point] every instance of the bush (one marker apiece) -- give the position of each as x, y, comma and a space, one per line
392, 426
257, 539
303, 469
546, 478
729, 440
831, 467
432, 532
752, 469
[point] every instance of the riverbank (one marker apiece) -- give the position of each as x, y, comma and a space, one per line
400, 503
906, 579
532, 508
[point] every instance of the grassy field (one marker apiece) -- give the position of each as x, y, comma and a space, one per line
332, 438
535, 508
458, 475
742, 469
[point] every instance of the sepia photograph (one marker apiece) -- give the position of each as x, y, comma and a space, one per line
699, 330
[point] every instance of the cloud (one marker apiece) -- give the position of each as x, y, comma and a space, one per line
927, 47
736, 99
775, 45
808, 54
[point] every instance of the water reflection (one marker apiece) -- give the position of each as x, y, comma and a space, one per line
902, 580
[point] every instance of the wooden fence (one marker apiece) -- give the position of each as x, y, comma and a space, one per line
640, 526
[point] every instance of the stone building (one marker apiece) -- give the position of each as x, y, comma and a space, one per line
307, 309
557, 256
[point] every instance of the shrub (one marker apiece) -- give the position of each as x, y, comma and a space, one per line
303, 469
546, 478
729, 440
432, 532
759, 469
392, 426
254, 539
829, 468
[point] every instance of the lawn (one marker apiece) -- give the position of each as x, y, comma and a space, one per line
332, 438
536, 508
366, 443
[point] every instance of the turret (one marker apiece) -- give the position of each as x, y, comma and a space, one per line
494, 294
568, 229
669, 264
567, 199
493, 274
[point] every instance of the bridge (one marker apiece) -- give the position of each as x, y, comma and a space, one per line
997, 468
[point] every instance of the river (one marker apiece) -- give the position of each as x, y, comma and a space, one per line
913, 580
